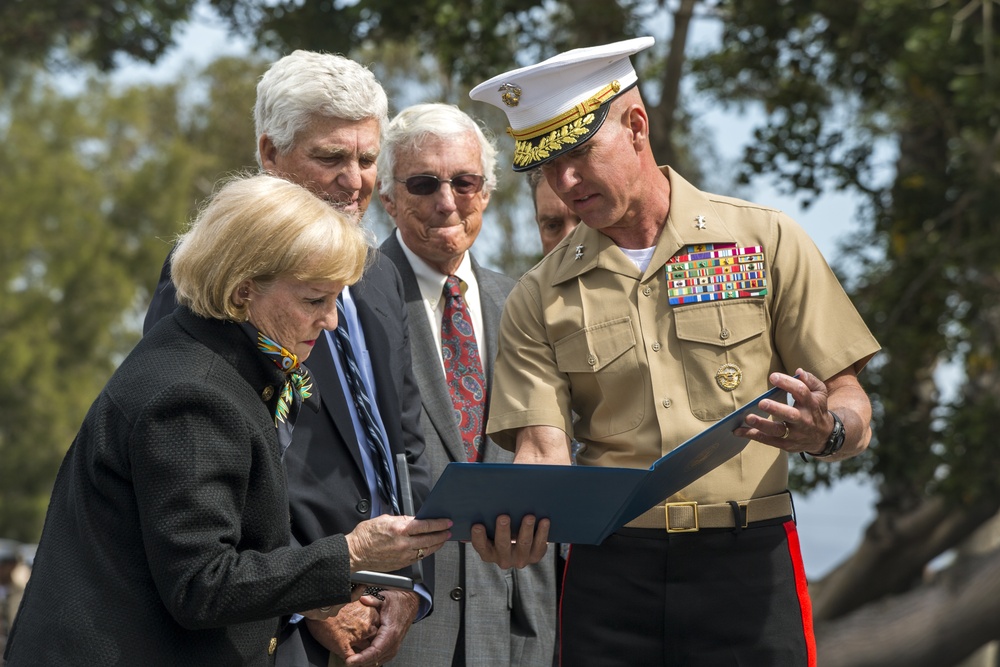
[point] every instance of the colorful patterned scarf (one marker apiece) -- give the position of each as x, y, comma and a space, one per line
297, 376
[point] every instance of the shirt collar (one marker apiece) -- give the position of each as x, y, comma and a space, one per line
430, 280
687, 206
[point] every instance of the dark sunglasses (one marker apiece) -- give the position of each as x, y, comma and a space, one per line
425, 184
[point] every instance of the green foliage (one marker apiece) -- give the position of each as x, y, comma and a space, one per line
836, 80
95, 186
468, 39
90, 30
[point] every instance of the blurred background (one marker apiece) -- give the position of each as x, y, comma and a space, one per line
874, 123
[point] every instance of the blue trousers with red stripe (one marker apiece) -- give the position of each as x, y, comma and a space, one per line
714, 598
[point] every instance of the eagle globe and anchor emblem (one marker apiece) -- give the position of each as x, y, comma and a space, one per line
511, 94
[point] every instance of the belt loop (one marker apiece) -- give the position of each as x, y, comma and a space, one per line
739, 516
791, 501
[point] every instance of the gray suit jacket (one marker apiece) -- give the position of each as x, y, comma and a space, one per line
499, 617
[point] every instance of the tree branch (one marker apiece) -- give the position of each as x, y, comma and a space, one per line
894, 553
936, 624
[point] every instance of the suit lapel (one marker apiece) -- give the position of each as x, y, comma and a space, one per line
491, 299
332, 396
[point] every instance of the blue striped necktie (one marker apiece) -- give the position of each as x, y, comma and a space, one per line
362, 402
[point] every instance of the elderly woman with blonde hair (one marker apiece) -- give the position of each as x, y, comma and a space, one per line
167, 537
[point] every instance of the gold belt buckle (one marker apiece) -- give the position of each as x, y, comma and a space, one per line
693, 504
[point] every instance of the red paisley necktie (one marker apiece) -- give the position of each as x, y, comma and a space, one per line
463, 368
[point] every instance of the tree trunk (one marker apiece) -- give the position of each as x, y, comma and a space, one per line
936, 625
894, 553
662, 126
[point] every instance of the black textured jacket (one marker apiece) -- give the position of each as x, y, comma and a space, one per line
166, 537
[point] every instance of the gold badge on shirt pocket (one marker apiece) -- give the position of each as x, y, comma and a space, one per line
729, 376
715, 271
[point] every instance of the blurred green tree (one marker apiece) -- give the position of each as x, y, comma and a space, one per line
62, 32
899, 102
95, 185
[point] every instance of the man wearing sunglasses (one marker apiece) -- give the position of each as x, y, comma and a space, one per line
435, 175
318, 120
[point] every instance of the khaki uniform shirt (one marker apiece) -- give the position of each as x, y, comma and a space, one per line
586, 331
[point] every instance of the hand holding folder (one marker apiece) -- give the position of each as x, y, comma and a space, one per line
584, 504
408, 576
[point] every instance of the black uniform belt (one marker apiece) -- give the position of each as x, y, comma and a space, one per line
690, 517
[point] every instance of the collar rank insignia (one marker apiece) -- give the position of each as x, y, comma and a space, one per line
579, 252
715, 271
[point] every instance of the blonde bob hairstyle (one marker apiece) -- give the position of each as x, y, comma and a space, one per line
258, 229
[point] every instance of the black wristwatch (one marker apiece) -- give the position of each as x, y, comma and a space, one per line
836, 439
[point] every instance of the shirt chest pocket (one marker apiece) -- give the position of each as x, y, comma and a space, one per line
725, 353
607, 392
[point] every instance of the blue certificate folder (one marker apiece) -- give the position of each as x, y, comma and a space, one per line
584, 503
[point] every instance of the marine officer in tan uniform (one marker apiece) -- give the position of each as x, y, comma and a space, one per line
663, 312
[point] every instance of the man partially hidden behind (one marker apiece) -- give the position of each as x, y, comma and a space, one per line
554, 219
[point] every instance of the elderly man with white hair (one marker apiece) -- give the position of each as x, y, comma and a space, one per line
435, 176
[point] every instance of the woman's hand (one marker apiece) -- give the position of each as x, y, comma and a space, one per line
388, 543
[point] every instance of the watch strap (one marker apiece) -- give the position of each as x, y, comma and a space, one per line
836, 440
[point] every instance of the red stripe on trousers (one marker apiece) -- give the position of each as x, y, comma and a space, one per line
802, 590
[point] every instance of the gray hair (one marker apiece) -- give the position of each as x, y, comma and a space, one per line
305, 85
414, 124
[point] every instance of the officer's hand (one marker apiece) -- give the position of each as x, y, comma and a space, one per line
529, 547
803, 427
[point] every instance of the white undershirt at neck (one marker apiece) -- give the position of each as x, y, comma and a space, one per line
640, 257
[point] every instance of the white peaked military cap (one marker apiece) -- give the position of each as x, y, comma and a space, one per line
556, 105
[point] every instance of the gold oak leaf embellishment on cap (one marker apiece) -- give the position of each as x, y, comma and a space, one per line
525, 153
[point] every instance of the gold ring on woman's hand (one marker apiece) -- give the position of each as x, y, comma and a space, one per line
787, 429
